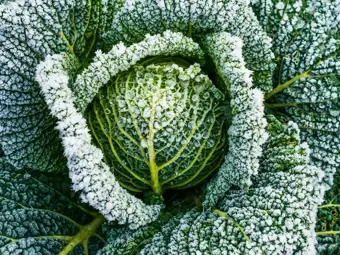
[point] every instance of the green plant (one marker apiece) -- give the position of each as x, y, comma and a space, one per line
192, 127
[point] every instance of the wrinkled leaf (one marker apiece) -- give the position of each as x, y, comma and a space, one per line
273, 216
30, 30
306, 43
40, 215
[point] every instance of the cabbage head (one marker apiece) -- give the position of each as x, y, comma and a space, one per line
160, 125
167, 127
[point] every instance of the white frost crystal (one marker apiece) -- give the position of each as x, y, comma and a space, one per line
89, 174
247, 133
121, 58
233, 16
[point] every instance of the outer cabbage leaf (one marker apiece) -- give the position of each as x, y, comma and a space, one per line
30, 30
307, 47
306, 44
109, 8
247, 132
40, 215
275, 216
89, 174
124, 241
328, 221
195, 18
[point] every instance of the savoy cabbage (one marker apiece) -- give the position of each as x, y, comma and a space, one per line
169, 127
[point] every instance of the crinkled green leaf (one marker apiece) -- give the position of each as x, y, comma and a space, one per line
328, 221
140, 17
247, 132
275, 215
124, 241
160, 126
40, 215
306, 42
108, 10
30, 30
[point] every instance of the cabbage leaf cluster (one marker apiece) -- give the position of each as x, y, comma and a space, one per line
169, 127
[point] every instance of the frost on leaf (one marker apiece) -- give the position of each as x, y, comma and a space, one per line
195, 18
328, 220
307, 91
275, 216
29, 31
89, 174
40, 215
120, 58
246, 133
266, 193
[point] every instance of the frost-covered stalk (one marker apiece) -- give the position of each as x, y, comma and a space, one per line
247, 133
89, 174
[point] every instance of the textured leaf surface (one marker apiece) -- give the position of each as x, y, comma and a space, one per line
124, 241
160, 126
109, 8
307, 46
247, 132
40, 215
140, 17
29, 30
120, 58
274, 217
89, 174
328, 223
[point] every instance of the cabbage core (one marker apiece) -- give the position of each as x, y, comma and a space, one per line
160, 126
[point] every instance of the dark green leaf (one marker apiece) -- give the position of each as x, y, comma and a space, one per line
307, 90
39, 214
30, 30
